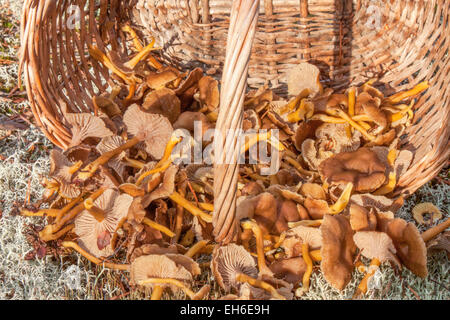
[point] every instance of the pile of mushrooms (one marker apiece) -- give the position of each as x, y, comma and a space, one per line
118, 197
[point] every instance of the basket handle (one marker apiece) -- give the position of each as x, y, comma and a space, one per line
244, 17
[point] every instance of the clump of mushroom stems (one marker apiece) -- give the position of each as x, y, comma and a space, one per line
89, 170
252, 225
165, 161
363, 285
240, 277
97, 261
190, 207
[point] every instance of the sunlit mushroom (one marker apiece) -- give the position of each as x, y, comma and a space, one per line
422, 208
61, 172
163, 101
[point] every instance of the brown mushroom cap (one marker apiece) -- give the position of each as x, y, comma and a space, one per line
252, 188
306, 130
287, 212
163, 101
362, 219
228, 261
290, 270
60, 172
333, 136
338, 250
362, 168
89, 229
370, 106
158, 266
154, 129
313, 190
209, 92
262, 208
376, 245
410, 246
151, 248
187, 121
317, 209
157, 80
85, 125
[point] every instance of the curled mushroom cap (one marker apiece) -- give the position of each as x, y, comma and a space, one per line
338, 250
262, 208
311, 236
229, 261
85, 125
163, 101
362, 219
60, 171
304, 76
209, 92
313, 190
154, 129
362, 168
165, 189
427, 207
160, 267
376, 245
410, 246
94, 235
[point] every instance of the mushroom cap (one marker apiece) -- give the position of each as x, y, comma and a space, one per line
290, 270
306, 130
309, 154
90, 229
107, 106
187, 120
362, 219
157, 80
252, 188
251, 120
151, 248
316, 208
60, 171
370, 106
86, 125
108, 144
313, 190
381, 203
375, 245
362, 168
338, 250
411, 248
163, 101
334, 138
262, 208
311, 236
154, 129
288, 177
228, 261
209, 92
303, 76
158, 266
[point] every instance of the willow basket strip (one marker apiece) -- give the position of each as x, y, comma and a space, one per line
409, 45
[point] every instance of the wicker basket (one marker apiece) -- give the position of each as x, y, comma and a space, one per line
403, 42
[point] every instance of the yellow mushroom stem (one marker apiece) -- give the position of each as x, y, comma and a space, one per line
398, 97
196, 248
305, 223
174, 282
143, 53
392, 156
315, 255
51, 184
389, 187
75, 167
291, 105
97, 261
252, 225
325, 186
254, 139
133, 163
98, 55
309, 267
178, 223
89, 170
190, 207
254, 176
240, 277
157, 293
399, 115
351, 101
165, 161
40, 213
67, 208
362, 287
304, 111
55, 236
328, 119
131, 91
343, 200
158, 227
137, 44
206, 206
361, 267
98, 213
280, 241
433, 232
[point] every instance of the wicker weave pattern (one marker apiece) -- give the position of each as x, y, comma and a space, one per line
410, 46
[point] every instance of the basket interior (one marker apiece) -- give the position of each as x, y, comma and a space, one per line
400, 42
